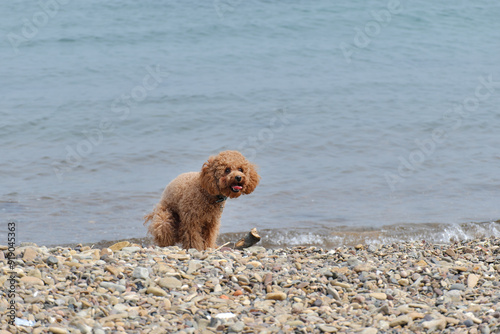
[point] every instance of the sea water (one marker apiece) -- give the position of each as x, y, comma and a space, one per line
369, 120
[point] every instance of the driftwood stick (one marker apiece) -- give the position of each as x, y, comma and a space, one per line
250, 239
219, 248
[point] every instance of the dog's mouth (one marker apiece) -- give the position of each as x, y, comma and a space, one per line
236, 188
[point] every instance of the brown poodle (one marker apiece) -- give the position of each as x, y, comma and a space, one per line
191, 205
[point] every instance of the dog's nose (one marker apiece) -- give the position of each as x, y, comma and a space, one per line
238, 178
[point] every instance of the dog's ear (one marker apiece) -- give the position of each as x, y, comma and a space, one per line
252, 179
207, 176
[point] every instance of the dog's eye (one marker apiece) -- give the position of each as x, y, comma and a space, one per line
228, 170
240, 169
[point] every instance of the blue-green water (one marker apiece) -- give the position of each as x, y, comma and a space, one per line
364, 116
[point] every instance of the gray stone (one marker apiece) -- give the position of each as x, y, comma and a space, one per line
114, 286
353, 261
193, 266
331, 291
130, 249
457, 286
384, 309
469, 323
140, 272
433, 325
326, 272
453, 296
80, 324
202, 323
484, 329
237, 327
120, 308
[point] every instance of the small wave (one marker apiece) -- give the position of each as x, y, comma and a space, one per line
343, 236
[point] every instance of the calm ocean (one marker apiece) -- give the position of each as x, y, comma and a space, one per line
369, 120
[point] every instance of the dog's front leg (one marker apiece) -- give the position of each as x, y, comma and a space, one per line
210, 234
191, 237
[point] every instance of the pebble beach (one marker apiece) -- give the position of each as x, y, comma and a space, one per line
413, 287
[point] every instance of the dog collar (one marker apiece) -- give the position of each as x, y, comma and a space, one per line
221, 198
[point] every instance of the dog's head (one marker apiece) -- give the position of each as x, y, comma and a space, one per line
229, 174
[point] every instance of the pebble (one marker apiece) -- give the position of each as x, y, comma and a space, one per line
31, 280
113, 286
433, 325
276, 296
403, 282
130, 249
178, 256
227, 315
328, 329
378, 295
411, 287
193, 266
237, 327
400, 321
469, 323
295, 323
342, 285
268, 279
119, 245
384, 309
457, 286
169, 283
140, 273
450, 252
472, 281
362, 267
29, 254
113, 270
369, 330
453, 296
353, 261
156, 291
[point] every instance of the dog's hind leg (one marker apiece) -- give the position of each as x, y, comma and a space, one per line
163, 227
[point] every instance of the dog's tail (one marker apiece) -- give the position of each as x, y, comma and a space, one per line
148, 217
161, 227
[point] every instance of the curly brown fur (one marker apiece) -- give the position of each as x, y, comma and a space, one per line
190, 209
